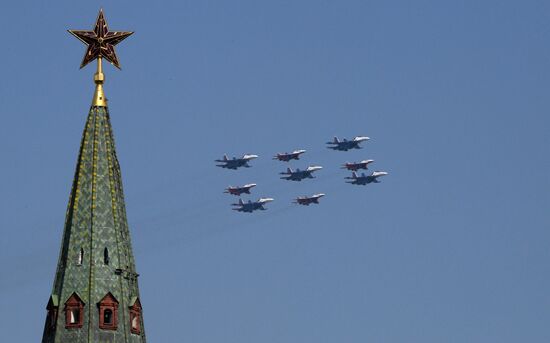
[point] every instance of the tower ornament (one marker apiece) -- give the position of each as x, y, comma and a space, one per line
101, 44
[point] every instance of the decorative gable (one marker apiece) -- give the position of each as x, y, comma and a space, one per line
108, 312
74, 312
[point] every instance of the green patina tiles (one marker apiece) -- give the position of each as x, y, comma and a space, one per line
96, 254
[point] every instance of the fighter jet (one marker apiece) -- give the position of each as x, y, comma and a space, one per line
365, 179
250, 206
238, 190
286, 157
235, 163
355, 166
346, 145
299, 175
314, 199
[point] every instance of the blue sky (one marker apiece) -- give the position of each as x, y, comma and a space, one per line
452, 246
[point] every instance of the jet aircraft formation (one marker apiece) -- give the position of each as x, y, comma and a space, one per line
299, 175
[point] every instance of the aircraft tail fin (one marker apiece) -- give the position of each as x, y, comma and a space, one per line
354, 175
289, 170
241, 202
225, 157
336, 140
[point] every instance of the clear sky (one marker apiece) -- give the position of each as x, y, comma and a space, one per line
452, 246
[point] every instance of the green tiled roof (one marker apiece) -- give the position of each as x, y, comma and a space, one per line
54, 300
96, 252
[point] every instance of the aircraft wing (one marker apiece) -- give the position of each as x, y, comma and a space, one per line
379, 173
313, 168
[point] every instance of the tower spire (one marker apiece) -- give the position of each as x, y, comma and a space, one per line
95, 296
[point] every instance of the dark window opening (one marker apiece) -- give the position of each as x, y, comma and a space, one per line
106, 256
74, 316
108, 317
52, 318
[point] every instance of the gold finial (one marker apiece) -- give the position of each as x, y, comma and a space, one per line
101, 44
99, 78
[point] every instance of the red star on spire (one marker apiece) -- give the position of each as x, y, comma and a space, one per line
101, 42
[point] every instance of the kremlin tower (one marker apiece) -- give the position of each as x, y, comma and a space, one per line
95, 295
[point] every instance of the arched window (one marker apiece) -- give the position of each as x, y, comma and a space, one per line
80, 257
74, 312
74, 316
135, 322
135, 316
108, 308
108, 316
106, 256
